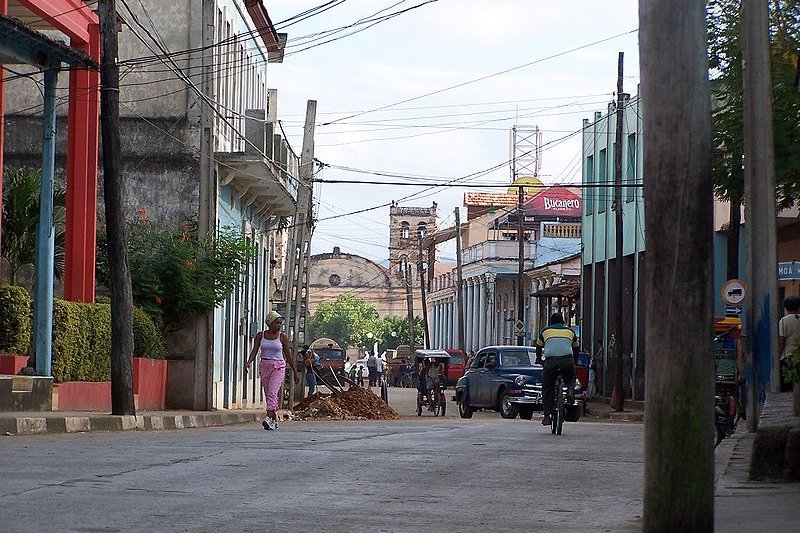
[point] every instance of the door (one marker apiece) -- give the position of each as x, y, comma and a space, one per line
486, 380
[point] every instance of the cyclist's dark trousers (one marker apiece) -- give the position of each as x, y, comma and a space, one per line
553, 366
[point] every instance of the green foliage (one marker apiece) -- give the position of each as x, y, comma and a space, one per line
347, 320
725, 61
15, 320
177, 276
21, 188
791, 372
399, 326
81, 335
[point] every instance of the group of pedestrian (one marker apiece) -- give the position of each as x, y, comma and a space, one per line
374, 369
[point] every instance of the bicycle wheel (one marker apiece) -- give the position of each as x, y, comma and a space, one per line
560, 407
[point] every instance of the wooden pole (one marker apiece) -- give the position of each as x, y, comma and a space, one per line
761, 304
423, 280
619, 344
410, 305
520, 324
679, 452
459, 286
116, 235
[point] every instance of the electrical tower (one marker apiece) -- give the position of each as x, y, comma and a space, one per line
526, 152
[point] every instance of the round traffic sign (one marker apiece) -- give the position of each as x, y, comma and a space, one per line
734, 292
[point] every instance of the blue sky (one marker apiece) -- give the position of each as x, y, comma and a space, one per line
456, 132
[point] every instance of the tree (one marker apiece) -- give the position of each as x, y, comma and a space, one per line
725, 61
21, 216
397, 325
347, 320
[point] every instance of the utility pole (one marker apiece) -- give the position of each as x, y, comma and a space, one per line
679, 225
423, 280
459, 286
759, 187
520, 325
301, 242
410, 305
619, 345
116, 236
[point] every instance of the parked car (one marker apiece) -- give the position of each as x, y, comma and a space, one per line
506, 379
458, 365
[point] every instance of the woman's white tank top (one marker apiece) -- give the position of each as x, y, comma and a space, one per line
271, 348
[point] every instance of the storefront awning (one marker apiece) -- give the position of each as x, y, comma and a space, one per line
565, 289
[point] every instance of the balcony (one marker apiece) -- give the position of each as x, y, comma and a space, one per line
264, 175
494, 251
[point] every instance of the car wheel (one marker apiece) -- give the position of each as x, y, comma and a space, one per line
464, 410
508, 409
526, 412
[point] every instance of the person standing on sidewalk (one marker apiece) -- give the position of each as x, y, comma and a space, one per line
275, 353
557, 351
788, 333
372, 369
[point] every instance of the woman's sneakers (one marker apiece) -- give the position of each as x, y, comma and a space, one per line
269, 424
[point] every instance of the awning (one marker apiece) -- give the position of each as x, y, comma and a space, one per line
22, 45
566, 289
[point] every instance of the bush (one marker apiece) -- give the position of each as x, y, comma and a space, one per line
791, 372
81, 335
15, 320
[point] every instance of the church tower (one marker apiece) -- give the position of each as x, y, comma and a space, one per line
406, 226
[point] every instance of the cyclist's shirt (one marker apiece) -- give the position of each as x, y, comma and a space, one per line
557, 340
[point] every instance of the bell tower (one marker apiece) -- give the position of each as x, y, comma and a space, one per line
407, 225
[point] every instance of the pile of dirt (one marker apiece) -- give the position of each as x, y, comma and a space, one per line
355, 403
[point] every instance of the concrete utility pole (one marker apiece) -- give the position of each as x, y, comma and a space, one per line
459, 286
301, 241
520, 325
679, 453
116, 237
759, 187
619, 345
423, 280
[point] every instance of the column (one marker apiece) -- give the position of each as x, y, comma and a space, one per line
469, 316
482, 312
449, 324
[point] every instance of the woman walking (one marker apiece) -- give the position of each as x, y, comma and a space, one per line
275, 353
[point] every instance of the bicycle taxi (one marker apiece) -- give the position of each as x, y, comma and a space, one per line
430, 375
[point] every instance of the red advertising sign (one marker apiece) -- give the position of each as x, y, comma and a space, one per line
558, 201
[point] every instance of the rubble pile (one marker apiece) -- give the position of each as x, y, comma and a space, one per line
355, 403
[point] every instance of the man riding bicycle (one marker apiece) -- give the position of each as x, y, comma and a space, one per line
557, 352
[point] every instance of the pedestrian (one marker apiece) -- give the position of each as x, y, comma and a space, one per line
360, 375
379, 363
788, 333
309, 360
372, 369
275, 352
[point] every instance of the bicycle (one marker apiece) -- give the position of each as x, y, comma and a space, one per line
560, 411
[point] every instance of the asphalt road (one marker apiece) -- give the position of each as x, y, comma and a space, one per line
414, 475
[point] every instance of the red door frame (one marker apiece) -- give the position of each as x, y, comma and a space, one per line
81, 25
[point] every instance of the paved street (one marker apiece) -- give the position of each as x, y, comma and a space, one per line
413, 475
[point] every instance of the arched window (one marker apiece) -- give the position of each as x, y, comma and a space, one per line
422, 230
403, 265
404, 230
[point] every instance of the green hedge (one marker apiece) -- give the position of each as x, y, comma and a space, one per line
81, 335
15, 320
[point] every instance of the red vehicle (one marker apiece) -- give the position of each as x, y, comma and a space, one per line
458, 365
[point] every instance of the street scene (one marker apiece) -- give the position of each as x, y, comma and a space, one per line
431, 265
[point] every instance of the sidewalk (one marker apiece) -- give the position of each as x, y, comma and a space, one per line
633, 411
744, 506
27, 423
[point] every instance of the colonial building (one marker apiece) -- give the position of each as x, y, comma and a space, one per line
600, 300
199, 142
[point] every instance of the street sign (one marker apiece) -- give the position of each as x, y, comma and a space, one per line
734, 310
733, 292
519, 325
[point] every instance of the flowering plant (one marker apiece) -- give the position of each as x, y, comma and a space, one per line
177, 276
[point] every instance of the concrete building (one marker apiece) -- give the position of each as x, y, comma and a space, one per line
198, 142
599, 299
490, 266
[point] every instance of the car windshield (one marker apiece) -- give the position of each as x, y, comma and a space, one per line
456, 360
517, 357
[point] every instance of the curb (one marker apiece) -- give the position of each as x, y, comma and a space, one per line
39, 425
625, 416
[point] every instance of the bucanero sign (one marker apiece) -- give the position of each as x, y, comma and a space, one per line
558, 201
